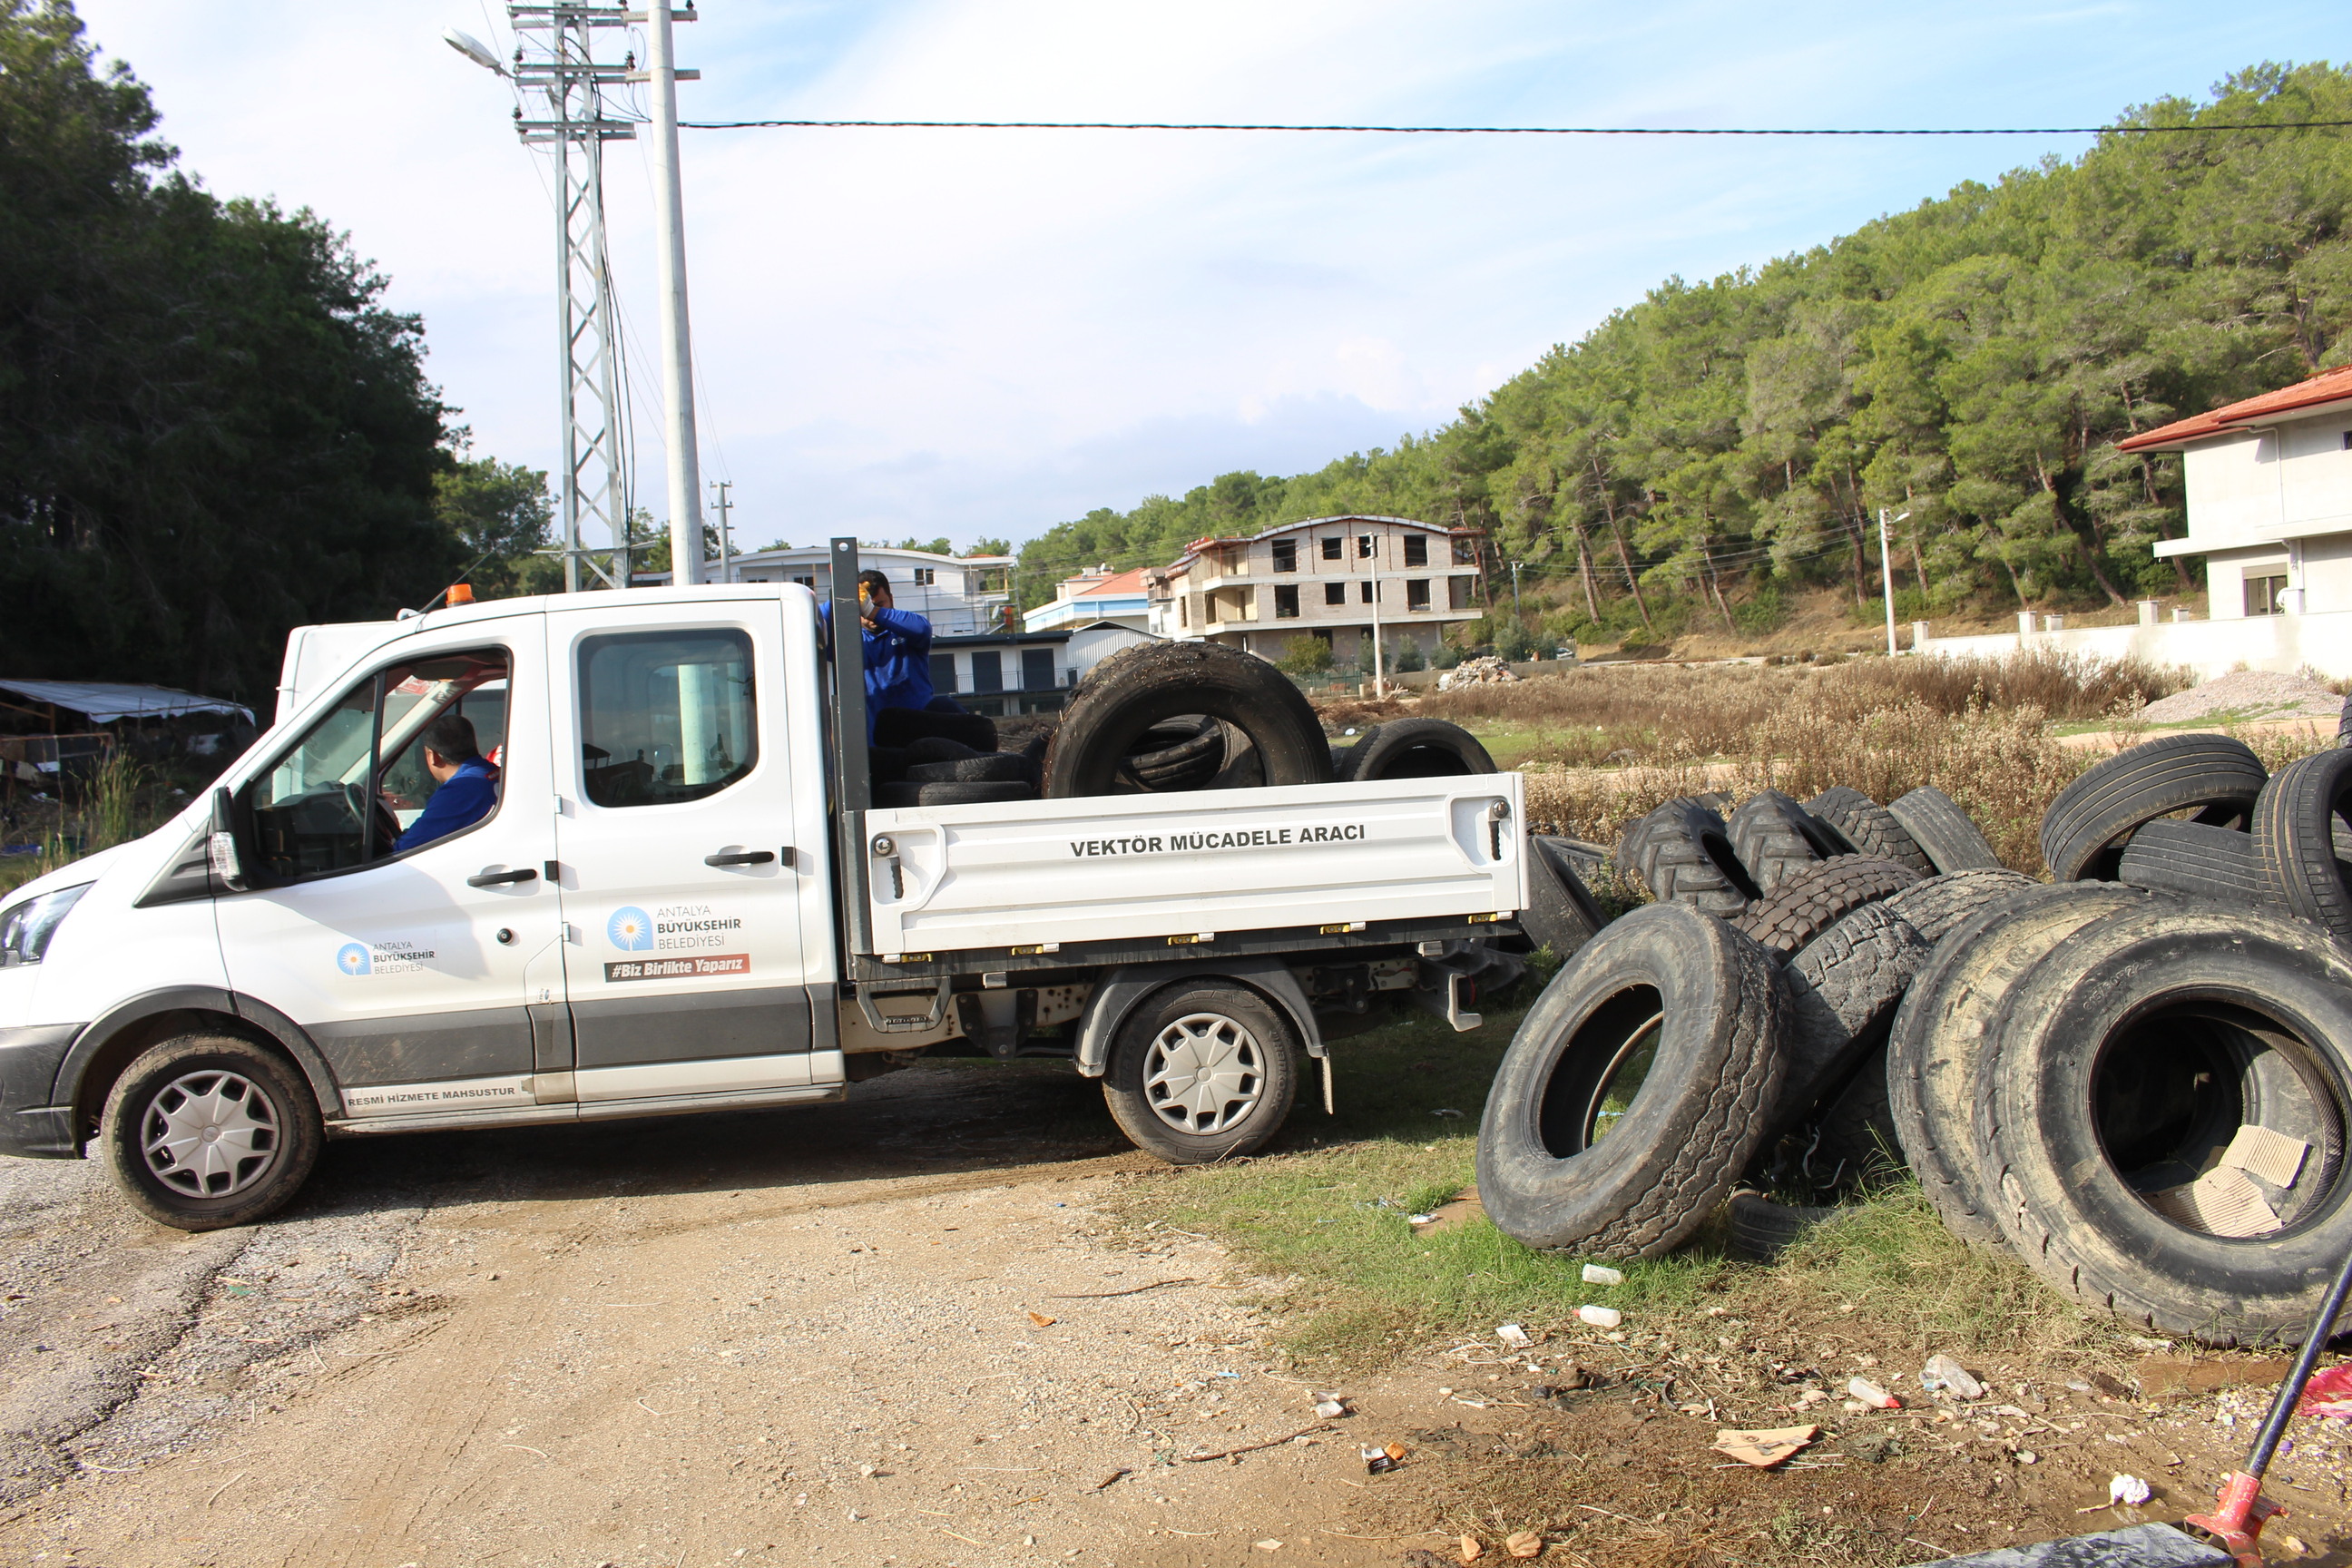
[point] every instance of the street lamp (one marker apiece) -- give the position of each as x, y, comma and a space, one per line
473, 49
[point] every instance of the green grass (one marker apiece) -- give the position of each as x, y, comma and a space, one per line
1328, 1215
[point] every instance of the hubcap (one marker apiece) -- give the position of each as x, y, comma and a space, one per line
209, 1134
1204, 1073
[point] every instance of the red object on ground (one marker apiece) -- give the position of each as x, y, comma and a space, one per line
2328, 1392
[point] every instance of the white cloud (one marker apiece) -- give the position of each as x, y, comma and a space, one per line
983, 332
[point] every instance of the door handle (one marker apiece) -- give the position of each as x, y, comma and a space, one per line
492, 879
741, 858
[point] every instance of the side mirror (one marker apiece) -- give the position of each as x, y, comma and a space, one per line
223, 849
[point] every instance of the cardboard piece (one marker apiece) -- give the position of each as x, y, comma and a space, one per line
1764, 1448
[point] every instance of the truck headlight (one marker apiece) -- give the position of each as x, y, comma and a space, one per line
25, 928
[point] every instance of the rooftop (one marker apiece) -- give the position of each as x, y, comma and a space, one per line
2328, 386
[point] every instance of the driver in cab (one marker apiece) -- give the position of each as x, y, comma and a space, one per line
466, 786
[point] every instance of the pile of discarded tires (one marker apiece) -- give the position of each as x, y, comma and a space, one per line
2136, 1078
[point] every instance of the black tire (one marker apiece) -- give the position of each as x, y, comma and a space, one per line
885, 764
1870, 827
1139, 687
1700, 1007
905, 726
973, 793
938, 749
2132, 1058
1683, 855
1560, 914
1775, 837
2294, 840
1819, 896
1845, 986
1944, 831
1938, 904
2083, 832
1939, 1032
1232, 1117
1857, 1127
1761, 1230
2197, 861
985, 768
270, 1114
899, 794
1415, 749
1181, 756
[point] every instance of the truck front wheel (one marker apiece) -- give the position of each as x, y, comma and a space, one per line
1203, 1071
208, 1131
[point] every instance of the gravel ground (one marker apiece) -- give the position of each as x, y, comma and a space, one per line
2246, 694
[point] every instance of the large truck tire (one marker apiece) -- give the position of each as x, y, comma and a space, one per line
2139, 1052
2197, 861
1870, 827
1938, 904
2083, 831
1775, 837
1819, 896
1939, 1032
1636, 1089
1414, 749
1137, 688
1561, 913
207, 1132
1857, 1127
1845, 986
1759, 1230
981, 767
2296, 819
1201, 1071
1944, 830
904, 727
1683, 855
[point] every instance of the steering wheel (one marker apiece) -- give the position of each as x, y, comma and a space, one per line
359, 802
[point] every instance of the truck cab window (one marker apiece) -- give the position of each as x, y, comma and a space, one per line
665, 717
341, 796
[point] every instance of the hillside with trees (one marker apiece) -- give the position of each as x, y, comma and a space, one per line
1699, 456
211, 427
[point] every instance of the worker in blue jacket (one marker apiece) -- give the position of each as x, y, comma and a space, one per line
466, 786
898, 652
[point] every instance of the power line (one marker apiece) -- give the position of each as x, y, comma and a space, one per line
1494, 130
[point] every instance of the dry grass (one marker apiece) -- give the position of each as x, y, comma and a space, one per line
1610, 744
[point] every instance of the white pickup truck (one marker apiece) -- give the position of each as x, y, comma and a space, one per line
682, 901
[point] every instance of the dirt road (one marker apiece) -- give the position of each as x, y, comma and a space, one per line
876, 1333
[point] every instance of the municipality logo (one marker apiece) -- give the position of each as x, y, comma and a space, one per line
631, 929
352, 959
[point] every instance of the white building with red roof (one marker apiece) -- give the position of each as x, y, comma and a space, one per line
2269, 488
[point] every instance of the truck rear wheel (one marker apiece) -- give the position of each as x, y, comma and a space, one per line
1203, 1071
208, 1131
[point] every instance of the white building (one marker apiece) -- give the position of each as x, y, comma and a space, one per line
1099, 594
1335, 578
961, 595
2269, 487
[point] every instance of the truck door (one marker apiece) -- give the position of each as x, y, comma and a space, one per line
681, 882
409, 966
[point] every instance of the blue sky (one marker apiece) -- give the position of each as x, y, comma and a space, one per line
982, 333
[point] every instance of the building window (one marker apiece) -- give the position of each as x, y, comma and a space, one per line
1458, 591
1366, 585
1416, 549
808, 583
1285, 555
1183, 614
2347, 440
1465, 552
1416, 594
988, 671
926, 575
1364, 546
2266, 595
1335, 548
1036, 670
1286, 601
1335, 593
943, 679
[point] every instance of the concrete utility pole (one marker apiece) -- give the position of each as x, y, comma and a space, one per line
1515, 590
670, 281
725, 540
1886, 577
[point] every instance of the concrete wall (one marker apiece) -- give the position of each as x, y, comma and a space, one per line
2281, 643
